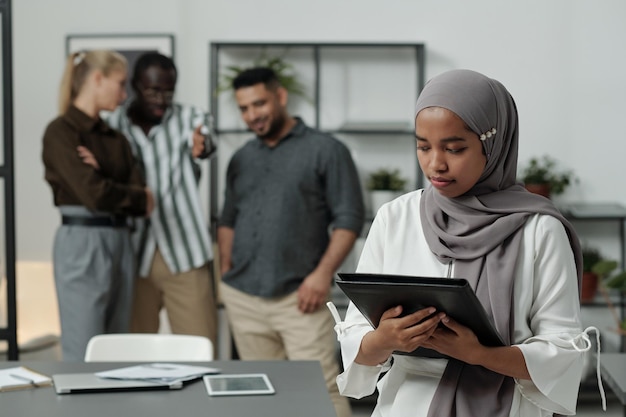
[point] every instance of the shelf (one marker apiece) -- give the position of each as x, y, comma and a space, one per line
599, 301
357, 90
345, 82
602, 211
594, 211
332, 131
371, 132
376, 127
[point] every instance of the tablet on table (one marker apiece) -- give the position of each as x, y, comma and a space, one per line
238, 384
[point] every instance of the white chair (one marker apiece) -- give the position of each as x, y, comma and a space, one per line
141, 347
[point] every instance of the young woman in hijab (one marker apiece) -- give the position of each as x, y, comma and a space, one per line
92, 256
521, 257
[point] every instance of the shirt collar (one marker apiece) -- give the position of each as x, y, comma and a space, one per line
169, 113
297, 130
83, 121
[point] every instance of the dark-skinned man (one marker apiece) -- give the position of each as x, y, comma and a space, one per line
173, 246
292, 211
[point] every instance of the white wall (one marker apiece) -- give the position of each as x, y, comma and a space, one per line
563, 61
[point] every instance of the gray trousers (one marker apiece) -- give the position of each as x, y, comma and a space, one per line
93, 273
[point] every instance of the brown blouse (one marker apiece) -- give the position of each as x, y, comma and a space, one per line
117, 187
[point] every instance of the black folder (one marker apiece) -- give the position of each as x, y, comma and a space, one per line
373, 294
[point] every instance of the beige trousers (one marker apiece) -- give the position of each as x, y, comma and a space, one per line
274, 328
187, 297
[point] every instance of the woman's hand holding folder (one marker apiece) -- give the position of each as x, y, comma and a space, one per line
398, 333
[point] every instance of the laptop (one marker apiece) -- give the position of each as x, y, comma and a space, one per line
90, 383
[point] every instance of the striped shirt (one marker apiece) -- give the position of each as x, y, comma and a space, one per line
177, 224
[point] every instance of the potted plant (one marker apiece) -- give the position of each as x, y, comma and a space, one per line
541, 176
283, 69
611, 279
384, 185
591, 256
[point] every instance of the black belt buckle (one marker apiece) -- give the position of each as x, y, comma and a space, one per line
100, 221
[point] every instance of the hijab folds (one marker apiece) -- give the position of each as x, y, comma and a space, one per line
481, 231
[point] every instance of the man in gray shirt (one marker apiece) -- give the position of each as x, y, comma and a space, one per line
293, 209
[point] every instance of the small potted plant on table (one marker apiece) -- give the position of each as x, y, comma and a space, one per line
384, 185
542, 177
611, 279
591, 257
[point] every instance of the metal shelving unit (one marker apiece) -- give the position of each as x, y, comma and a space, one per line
603, 212
316, 50
315, 55
8, 331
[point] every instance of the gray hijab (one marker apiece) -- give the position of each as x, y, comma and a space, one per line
481, 231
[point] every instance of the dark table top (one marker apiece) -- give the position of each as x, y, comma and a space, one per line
300, 392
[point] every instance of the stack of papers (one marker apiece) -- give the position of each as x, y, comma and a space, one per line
169, 373
21, 377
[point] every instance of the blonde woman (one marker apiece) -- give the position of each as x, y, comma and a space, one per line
93, 261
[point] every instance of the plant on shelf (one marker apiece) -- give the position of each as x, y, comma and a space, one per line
384, 185
543, 177
386, 179
283, 69
591, 256
611, 279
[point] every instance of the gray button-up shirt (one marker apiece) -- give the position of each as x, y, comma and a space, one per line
281, 202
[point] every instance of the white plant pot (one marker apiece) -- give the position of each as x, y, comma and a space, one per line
380, 197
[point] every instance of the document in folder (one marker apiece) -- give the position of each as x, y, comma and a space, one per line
373, 294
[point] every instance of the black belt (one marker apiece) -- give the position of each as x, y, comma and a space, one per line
108, 221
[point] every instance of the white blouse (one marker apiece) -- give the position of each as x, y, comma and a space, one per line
546, 311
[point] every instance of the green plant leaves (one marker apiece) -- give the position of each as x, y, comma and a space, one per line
604, 268
617, 282
285, 73
544, 170
385, 179
591, 256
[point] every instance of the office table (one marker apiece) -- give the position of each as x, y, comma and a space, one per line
300, 392
613, 367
